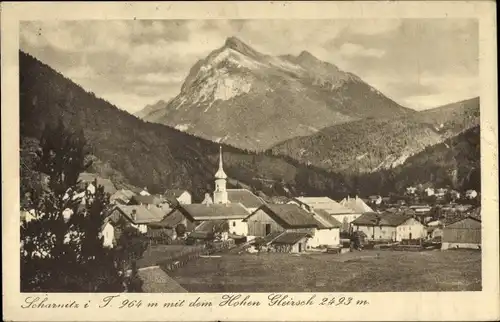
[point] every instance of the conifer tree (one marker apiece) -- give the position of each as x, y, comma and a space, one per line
61, 248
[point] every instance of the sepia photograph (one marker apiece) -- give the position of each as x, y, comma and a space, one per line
250, 155
244, 155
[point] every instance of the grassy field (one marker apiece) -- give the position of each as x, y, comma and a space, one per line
159, 253
367, 271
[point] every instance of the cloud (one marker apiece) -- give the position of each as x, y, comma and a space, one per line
351, 50
416, 62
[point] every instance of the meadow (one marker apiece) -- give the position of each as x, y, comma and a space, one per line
365, 271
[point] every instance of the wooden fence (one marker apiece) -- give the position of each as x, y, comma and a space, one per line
183, 257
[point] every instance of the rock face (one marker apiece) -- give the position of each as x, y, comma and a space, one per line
253, 101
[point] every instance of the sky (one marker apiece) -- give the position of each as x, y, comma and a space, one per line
419, 63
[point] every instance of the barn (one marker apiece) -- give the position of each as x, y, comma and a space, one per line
464, 233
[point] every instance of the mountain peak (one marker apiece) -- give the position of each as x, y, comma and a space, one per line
238, 45
306, 55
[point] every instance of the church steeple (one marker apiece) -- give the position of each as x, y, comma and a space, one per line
220, 174
220, 193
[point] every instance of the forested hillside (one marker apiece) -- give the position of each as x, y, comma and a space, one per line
381, 143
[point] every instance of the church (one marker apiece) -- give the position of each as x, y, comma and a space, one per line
222, 195
225, 205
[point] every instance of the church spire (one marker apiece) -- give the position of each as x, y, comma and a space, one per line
220, 193
220, 174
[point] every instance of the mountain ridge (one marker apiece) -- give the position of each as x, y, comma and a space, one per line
253, 100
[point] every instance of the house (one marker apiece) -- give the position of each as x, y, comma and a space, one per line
341, 213
108, 234
454, 195
356, 204
144, 192
375, 200
182, 196
207, 200
233, 214
411, 190
291, 242
429, 191
88, 179
421, 209
464, 233
389, 226
138, 216
328, 231
434, 232
471, 194
122, 196
147, 200
270, 219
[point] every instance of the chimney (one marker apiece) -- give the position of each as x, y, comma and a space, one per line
134, 215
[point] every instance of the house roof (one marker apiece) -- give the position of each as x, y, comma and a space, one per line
386, 219
202, 212
457, 220
245, 197
356, 204
174, 193
156, 280
289, 216
123, 194
325, 203
147, 200
171, 220
290, 238
268, 239
201, 234
143, 215
325, 219
86, 177
210, 225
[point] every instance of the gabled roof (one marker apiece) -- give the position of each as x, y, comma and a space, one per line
171, 220
201, 212
143, 215
324, 203
356, 204
386, 219
289, 216
290, 238
457, 220
174, 193
326, 220
245, 197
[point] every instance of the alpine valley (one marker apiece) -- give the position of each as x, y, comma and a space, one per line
288, 125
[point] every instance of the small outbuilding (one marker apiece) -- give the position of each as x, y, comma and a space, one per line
464, 233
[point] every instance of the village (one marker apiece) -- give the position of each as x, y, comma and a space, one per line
237, 221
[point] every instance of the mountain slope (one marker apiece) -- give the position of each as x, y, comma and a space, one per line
150, 109
372, 144
456, 162
254, 100
144, 154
